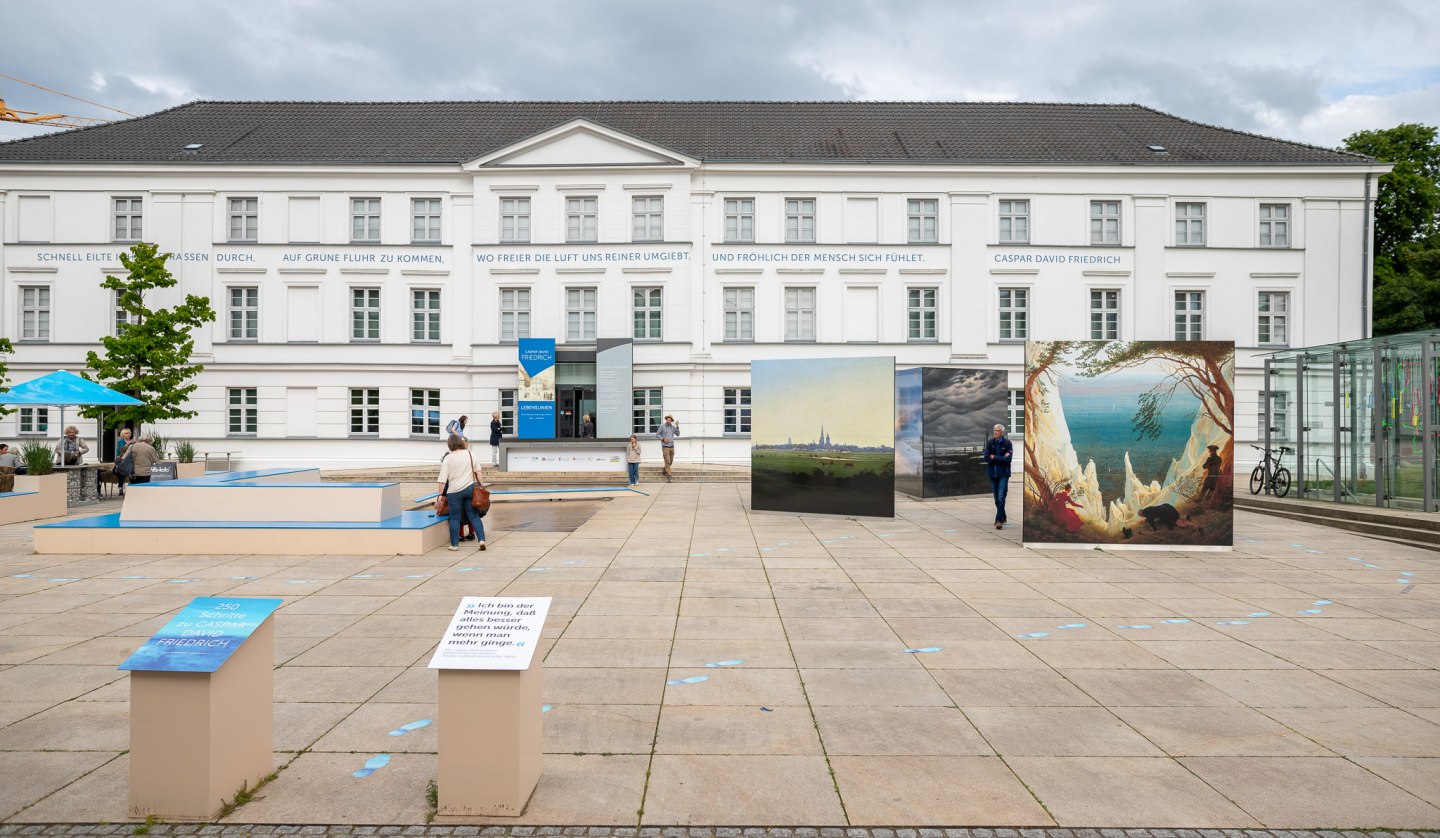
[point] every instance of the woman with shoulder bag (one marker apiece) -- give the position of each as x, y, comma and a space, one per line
459, 475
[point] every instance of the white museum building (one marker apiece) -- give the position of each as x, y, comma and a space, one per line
373, 265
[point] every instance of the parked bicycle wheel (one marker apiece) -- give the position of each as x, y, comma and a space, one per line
1257, 480
1282, 482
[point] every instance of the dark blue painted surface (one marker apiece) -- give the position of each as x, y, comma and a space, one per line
246, 484
412, 520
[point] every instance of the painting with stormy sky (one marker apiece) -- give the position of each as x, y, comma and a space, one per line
958, 408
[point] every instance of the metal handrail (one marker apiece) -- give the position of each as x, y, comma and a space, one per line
1344, 489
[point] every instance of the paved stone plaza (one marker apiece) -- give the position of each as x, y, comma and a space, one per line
926, 671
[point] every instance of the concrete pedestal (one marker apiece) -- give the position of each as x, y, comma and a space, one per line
197, 737
490, 740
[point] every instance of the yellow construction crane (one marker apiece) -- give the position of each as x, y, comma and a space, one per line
8, 114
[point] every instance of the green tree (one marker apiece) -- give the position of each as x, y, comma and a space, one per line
149, 356
6, 348
1407, 226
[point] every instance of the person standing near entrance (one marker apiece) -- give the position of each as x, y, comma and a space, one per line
667, 434
587, 427
998, 453
496, 431
632, 460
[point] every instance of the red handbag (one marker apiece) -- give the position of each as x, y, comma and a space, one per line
479, 495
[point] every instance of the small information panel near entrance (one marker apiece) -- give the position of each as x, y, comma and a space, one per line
492, 633
203, 635
162, 471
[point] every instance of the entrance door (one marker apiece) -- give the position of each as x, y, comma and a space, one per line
573, 404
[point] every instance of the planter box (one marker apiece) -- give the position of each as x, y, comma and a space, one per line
184, 470
53, 488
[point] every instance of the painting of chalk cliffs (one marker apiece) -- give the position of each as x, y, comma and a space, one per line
1129, 443
822, 436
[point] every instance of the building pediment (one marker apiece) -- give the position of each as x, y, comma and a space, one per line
581, 144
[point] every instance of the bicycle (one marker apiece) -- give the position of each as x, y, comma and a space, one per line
1270, 475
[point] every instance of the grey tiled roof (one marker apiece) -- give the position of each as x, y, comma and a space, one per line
789, 132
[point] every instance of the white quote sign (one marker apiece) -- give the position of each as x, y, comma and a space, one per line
492, 633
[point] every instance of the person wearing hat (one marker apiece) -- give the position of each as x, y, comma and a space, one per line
1212, 467
666, 435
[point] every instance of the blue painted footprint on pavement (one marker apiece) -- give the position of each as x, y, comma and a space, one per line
545, 708
1259, 614
372, 765
1323, 602
1177, 620
693, 679
723, 663
1233, 623
1137, 626
1034, 634
1311, 611
406, 728
1073, 626
926, 649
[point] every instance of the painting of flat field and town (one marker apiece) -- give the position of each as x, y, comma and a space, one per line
1129, 442
822, 436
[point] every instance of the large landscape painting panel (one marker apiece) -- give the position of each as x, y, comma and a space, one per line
961, 407
1129, 442
823, 436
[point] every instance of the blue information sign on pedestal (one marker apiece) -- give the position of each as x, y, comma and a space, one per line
535, 407
203, 635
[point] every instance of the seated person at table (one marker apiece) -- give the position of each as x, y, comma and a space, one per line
71, 448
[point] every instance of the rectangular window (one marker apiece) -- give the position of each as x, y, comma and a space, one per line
580, 315
128, 217
122, 316
645, 414
244, 313
244, 219
1017, 413
425, 315
507, 412
1014, 313
646, 311
737, 410
364, 219
35, 312
243, 411
799, 219
364, 314
424, 412
1104, 222
1274, 225
1104, 315
514, 219
425, 220
1280, 405
739, 219
647, 219
1190, 225
800, 314
35, 421
922, 220
1272, 327
514, 314
739, 314
921, 312
582, 219
1189, 315
1014, 222
364, 411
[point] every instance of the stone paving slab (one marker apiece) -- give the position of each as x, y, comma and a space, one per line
926, 671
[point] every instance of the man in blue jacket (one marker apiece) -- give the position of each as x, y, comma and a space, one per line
998, 452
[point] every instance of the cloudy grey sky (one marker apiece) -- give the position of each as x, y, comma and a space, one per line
1309, 70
